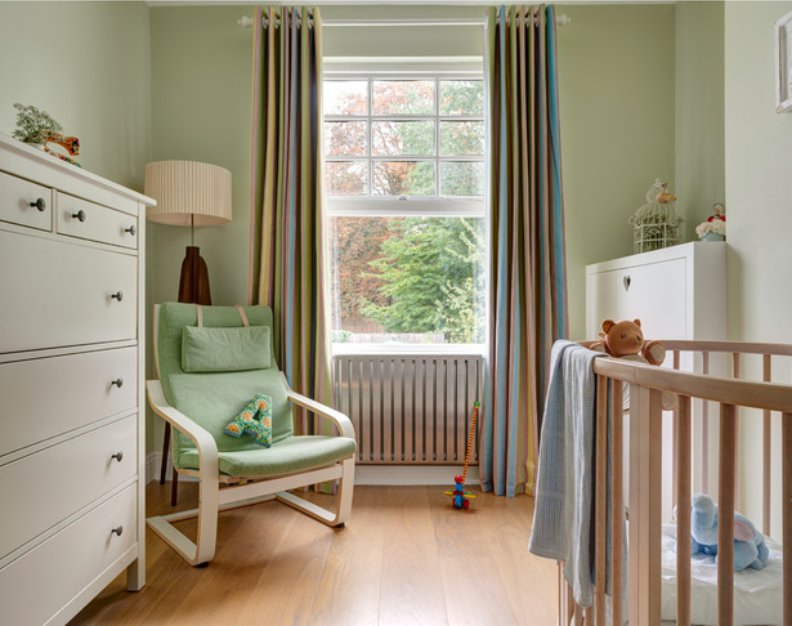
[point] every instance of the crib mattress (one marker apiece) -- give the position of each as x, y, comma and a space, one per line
757, 594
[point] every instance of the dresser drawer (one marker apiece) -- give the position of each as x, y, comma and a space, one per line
87, 220
53, 483
42, 398
56, 293
36, 586
25, 203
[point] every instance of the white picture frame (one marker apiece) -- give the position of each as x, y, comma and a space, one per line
783, 44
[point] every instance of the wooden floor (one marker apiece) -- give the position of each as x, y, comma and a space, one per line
404, 557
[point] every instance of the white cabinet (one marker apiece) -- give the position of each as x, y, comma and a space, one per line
677, 293
72, 437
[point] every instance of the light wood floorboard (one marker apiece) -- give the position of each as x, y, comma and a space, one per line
405, 557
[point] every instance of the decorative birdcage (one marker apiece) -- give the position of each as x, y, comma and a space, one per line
656, 224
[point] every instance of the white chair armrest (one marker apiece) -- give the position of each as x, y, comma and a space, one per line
203, 440
339, 419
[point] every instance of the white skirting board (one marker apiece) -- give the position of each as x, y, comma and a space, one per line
364, 474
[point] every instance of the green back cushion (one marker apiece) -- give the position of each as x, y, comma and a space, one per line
213, 398
225, 349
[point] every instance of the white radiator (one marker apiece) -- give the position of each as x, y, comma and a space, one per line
409, 409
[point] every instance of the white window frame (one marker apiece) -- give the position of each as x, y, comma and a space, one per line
371, 205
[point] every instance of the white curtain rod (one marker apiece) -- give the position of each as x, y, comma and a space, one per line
246, 21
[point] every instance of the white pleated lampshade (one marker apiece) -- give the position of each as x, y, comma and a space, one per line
188, 188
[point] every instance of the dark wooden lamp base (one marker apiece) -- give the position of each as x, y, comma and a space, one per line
193, 288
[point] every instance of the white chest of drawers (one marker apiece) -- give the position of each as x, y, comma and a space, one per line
72, 364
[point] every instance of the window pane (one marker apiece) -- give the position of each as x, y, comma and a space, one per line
461, 138
462, 97
346, 178
345, 138
403, 178
408, 280
462, 178
403, 97
345, 97
402, 138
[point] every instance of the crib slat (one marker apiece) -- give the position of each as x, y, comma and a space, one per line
737, 412
571, 607
646, 456
601, 494
563, 615
767, 376
786, 519
617, 489
726, 482
682, 456
674, 464
705, 430
578, 615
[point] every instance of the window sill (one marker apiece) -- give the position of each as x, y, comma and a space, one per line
383, 349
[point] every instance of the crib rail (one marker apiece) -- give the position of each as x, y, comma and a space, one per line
647, 383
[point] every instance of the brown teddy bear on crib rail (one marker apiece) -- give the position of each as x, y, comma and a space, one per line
625, 340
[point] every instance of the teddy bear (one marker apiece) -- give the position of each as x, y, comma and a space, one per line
625, 340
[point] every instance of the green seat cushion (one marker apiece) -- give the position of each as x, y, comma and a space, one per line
289, 456
225, 349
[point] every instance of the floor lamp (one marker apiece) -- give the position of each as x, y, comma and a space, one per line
191, 194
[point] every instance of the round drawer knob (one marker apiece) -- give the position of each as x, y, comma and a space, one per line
39, 204
80, 215
130, 230
118, 382
118, 456
117, 531
118, 295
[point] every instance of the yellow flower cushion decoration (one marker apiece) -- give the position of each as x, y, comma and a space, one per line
254, 419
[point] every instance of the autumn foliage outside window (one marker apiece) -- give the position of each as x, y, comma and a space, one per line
405, 178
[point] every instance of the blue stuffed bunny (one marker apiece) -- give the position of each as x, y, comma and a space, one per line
750, 549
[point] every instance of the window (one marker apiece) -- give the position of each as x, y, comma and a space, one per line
405, 179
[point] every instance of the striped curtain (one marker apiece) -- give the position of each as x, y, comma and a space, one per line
286, 240
528, 306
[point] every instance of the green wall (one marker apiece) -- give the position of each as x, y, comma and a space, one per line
616, 95
201, 95
88, 65
200, 111
759, 202
699, 160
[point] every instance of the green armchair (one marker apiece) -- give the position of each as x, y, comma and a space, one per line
198, 392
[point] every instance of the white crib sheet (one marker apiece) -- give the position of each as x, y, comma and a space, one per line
757, 594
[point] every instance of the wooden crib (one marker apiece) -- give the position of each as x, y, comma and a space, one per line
643, 604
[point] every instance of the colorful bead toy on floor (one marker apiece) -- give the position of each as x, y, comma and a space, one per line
460, 497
